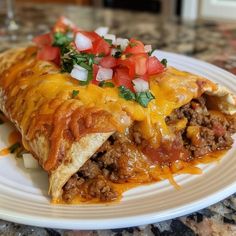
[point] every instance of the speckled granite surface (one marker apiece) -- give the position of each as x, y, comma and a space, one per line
210, 41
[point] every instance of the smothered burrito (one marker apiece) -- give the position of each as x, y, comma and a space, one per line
102, 114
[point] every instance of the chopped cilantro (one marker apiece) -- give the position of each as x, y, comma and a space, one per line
90, 61
143, 98
132, 44
105, 84
164, 62
61, 40
34, 54
128, 55
90, 75
71, 57
83, 83
108, 41
102, 54
75, 93
126, 93
150, 53
85, 66
14, 147
20, 153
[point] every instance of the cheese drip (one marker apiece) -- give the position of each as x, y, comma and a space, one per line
38, 98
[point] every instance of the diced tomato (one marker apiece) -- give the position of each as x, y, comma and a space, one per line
128, 64
95, 71
57, 59
63, 24
43, 40
135, 46
48, 53
144, 77
101, 46
92, 35
137, 64
122, 77
154, 66
108, 62
140, 62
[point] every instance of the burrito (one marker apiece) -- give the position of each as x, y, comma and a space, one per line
102, 114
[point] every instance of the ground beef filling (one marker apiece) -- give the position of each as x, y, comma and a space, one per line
198, 131
117, 161
204, 131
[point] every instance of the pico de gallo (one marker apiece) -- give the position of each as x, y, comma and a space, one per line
102, 59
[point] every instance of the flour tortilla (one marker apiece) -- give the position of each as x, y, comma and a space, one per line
82, 150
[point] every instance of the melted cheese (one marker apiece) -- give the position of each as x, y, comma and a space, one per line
36, 91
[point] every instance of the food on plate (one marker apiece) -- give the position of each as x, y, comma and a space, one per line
103, 114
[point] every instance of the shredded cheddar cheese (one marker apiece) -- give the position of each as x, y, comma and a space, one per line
36, 91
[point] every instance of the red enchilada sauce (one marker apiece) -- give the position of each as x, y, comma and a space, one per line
43, 102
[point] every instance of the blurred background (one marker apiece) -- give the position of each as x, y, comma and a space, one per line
205, 29
189, 8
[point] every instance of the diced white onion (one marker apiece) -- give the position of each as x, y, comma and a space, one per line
155, 54
104, 74
148, 48
29, 161
122, 42
140, 85
111, 37
79, 73
82, 42
102, 31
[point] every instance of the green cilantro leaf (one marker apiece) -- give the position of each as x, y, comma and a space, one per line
150, 53
127, 55
20, 152
90, 61
126, 93
102, 54
14, 147
90, 75
108, 41
164, 62
143, 98
85, 66
61, 40
71, 57
132, 44
105, 84
83, 83
75, 93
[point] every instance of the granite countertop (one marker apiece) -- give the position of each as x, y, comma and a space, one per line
213, 41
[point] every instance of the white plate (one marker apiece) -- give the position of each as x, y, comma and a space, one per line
23, 193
